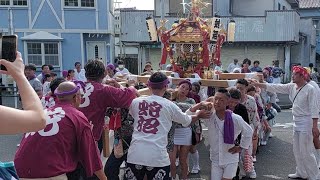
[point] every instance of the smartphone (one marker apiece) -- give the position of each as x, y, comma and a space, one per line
9, 48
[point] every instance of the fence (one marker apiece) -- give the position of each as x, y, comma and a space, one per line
9, 96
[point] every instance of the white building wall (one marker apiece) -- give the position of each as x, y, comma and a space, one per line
282, 3
158, 7
117, 22
252, 7
117, 46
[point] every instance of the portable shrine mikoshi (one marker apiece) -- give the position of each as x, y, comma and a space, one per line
193, 44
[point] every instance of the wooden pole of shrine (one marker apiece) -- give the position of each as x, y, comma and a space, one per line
222, 82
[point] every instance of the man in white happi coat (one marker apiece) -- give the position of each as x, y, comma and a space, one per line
316, 140
305, 117
153, 116
224, 127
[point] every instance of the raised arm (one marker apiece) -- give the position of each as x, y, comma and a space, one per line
32, 118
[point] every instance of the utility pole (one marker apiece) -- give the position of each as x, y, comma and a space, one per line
162, 8
162, 17
10, 23
118, 22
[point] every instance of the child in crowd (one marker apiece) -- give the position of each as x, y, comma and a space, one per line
70, 76
271, 113
46, 84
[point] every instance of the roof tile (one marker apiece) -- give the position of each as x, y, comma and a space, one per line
305, 4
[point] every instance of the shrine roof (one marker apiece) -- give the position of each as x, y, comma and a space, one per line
189, 32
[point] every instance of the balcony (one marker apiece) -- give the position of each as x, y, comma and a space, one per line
275, 26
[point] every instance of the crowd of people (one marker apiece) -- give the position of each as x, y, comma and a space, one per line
154, 135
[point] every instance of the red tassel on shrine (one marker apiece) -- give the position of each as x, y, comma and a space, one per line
205, 51
164, 39
164, 55
115, 120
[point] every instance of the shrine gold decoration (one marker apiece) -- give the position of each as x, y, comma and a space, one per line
189, 29
174, 25
163, 24
203, 27
181, 20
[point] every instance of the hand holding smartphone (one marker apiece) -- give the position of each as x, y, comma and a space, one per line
8, 48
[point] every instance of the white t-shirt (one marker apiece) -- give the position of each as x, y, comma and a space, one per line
219, 154
218, 149
124, 71
40, 77
317, 88
153, 116
46, 88
304, 107
80, 76
232, 66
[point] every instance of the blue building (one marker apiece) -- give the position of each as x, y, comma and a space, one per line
311, 9
60, 32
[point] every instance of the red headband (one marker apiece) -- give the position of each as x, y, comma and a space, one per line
300, 70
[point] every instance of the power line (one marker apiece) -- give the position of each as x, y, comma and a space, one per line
127, 3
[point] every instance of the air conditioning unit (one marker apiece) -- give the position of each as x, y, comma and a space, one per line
152, 29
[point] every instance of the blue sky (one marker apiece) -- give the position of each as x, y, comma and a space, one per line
140, 4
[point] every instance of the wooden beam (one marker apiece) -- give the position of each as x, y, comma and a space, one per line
214, 83
222, 82
144, 92
226, 76
176, 81
167, 73
123, 83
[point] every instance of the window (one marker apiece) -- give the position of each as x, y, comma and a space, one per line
13, 2
279, 6
284, 8
316, 24
79, 3
96, 51
71, 3
20, 2
43, 53
87, 3
5, 2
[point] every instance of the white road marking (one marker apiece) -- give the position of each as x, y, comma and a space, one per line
273, 177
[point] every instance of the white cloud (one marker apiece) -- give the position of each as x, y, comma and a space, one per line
139, 4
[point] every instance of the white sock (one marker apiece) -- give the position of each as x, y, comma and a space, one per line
195, 158
318, 156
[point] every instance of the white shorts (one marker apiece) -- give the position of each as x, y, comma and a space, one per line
227, 171
60, 177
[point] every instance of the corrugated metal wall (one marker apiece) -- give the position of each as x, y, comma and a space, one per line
133, 26
263, 53
277, 26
